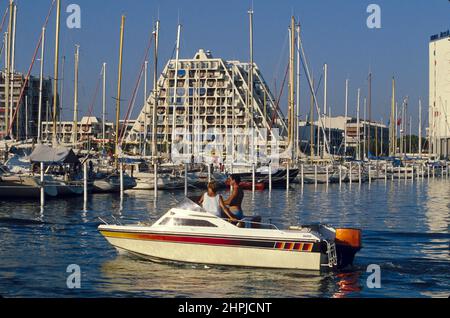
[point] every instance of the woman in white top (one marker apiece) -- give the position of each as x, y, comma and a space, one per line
213, 202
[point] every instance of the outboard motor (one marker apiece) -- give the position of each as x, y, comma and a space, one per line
348, 243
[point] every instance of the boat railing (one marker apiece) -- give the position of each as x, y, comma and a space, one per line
106, 223
245, 221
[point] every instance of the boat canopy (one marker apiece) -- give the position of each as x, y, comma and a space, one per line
50, 155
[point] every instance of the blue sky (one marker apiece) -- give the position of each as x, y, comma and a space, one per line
333, 32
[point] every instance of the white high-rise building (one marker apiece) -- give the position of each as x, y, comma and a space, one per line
204, 93
439, 107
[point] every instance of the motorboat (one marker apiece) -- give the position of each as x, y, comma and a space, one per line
188, 234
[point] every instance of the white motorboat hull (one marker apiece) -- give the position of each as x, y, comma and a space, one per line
216, 254
191, 235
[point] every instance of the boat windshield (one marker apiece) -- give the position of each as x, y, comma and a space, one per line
188, 204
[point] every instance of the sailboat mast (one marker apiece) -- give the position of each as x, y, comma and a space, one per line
55, 75
155, 90
119, 86
5, 48
397, 133
393, 123
410, 134
146, 108
8, 60
41, 79
61, 89
402, 128
291, 83
75, 100
346, 114
311, 123
104, 105
175, 102
325, 102
358, 130
250, 83
13, 60
329, 128
297, 135
364, 129
420, 128
381, 139
369, 109
26, 117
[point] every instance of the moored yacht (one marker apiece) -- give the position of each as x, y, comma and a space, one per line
24, 185
106, 183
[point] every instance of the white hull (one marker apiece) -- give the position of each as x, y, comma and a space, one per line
145, 181
220, 255
311, 178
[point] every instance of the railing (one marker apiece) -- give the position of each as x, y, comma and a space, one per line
270, 225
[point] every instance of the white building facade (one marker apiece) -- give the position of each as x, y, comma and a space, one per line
439, 90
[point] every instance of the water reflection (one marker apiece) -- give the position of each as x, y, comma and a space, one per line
436, 204
128, 275
348, 283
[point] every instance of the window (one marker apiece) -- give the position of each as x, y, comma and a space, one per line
164, 221
192, 222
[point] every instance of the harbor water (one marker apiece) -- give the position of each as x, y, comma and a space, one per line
405, 232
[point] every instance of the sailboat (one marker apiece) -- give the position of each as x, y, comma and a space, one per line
24, 185
62, 165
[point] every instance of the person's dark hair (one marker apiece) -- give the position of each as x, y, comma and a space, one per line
236, 178
213, 186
